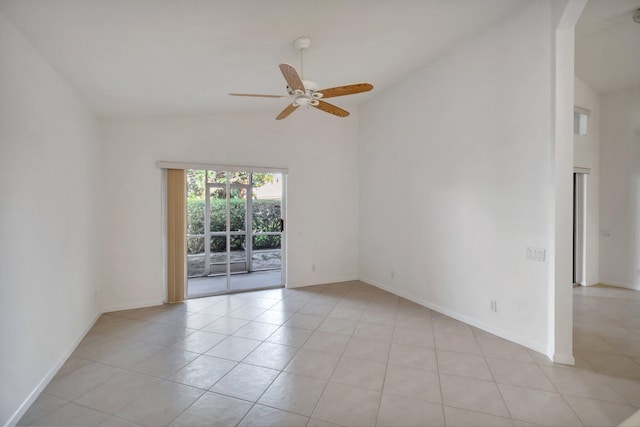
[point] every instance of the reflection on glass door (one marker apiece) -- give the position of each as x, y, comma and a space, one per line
234, 231
262, 235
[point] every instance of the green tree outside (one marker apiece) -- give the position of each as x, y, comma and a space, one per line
266, 213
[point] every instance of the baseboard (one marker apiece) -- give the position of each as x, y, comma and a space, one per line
47, 378
132, 306
473, 322
619, 285
323, 281
565, 359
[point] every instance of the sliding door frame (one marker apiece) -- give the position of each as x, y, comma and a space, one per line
249, 219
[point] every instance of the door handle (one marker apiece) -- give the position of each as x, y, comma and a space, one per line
281, 225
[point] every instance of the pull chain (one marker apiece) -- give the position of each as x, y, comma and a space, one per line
302, 63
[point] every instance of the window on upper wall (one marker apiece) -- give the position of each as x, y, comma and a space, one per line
580, 116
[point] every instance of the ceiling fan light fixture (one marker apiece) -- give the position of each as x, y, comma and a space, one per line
302, 101
296, 92
306, 100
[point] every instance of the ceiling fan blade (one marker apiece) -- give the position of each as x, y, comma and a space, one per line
288, 110
291, 76
331, 109
345, 90
257, 95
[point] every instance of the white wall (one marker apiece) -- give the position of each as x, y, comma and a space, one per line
49, 172
319, 150
587, 155
455, 180
620, 189
564, 14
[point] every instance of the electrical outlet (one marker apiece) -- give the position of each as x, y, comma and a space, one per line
535, 254
313, 268
493, 305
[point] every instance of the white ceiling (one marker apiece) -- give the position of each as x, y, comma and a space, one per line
608, 45
165, 57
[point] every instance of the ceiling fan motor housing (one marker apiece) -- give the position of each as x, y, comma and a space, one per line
310, 88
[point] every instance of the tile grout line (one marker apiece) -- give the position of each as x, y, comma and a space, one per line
208, 390
270, 384
280, 370
333, 370
160, 319
435, 350
283, 371
580, 371
213, 385
484, 357
386, 367
324, 389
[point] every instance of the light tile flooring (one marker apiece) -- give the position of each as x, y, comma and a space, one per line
340, 354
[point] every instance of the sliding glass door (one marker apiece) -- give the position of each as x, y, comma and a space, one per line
235, 231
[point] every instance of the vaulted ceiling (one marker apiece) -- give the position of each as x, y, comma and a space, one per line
608, 45
164, 57
167, 57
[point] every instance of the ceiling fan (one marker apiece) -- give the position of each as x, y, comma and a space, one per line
306, 92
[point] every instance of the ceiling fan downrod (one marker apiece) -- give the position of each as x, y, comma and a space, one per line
301, 44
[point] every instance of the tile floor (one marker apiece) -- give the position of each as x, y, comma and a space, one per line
340, 354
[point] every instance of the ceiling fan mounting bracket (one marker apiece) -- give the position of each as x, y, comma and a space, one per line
302, 43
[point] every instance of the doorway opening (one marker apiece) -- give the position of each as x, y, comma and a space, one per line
235, 231
579, 228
